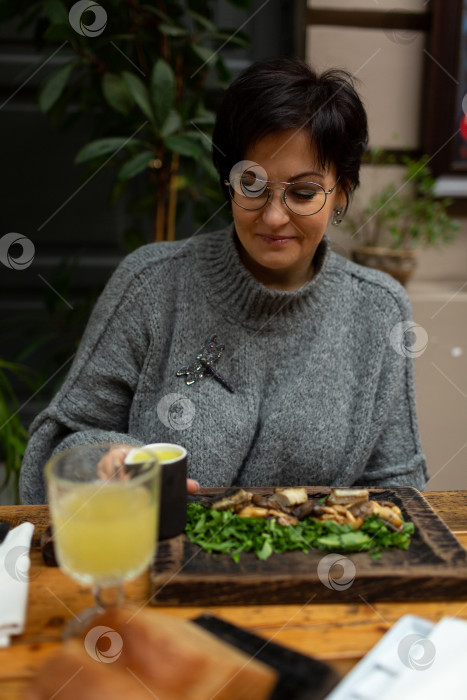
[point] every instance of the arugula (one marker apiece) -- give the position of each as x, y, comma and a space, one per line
226, 533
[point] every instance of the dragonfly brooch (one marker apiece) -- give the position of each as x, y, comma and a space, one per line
203, 364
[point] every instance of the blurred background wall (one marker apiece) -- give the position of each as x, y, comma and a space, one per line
394, 65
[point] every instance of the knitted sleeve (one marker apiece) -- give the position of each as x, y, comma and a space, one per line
395, 452
94, 402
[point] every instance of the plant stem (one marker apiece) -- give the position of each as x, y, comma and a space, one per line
172, 209
160, 220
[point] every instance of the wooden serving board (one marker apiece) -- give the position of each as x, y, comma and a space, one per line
434, 568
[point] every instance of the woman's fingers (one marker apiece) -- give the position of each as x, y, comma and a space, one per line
192, 486
112, 466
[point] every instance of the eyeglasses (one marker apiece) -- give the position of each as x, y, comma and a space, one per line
302, 198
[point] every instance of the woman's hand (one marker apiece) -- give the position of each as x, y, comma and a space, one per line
192, 486
112, 465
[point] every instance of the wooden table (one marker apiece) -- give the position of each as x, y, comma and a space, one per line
339, 634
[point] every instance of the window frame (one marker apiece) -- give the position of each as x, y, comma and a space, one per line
443, 84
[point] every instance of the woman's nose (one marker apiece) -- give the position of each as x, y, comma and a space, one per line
275, 213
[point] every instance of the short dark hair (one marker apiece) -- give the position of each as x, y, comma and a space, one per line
286, 93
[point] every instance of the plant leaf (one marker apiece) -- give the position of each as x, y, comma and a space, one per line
135, 165
54, 87
205, 54
158, 13
172, 123
60, 32
204, 116
162, 90
56, 11
183, 145
231, 36
101, 147
203, 21
172, 29
116, 93
139, 93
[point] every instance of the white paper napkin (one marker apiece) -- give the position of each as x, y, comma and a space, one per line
441, 671
415, 660
14, 580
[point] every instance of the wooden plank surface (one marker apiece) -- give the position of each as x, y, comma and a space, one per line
435, 567
339, 633
451, 506
37, 515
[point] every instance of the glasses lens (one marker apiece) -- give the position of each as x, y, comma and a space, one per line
249, 192
305, 198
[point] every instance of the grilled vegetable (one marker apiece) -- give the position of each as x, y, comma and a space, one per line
347, 496
253, 512
362, 510
257, 512
261, 501
290, 497
343, 506
392, 519
233, 499
304, 510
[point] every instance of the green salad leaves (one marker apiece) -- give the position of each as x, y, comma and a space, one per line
223, 532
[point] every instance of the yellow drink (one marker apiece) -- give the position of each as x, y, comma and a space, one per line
162, 454
105, 534
165, 455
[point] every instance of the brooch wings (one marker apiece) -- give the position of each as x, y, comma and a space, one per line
203, 365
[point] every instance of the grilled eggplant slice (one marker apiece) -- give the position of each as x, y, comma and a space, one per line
304, 510
234, 499
290, 497
262, 501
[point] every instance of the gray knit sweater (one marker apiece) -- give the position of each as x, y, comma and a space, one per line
321, 396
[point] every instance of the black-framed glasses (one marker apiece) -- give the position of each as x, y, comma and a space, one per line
303, 198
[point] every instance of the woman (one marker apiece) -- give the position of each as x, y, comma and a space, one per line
309, 388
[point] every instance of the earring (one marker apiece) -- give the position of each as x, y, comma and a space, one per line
337, 219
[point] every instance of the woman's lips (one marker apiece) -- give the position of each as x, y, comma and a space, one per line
275, 240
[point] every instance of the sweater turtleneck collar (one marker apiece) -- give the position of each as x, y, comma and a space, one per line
228, 281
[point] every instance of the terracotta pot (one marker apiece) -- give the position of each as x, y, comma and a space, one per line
400, 264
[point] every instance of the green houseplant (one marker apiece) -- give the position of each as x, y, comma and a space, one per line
396, 221
145, 74
13, 435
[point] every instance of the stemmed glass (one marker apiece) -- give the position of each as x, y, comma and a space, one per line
105, 521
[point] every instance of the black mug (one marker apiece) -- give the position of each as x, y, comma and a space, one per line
173, 505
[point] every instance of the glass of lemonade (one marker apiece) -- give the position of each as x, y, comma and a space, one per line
105, 520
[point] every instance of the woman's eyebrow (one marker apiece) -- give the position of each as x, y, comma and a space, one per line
308, 173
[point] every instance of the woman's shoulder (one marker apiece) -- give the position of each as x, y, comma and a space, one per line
153, 254
369, 285
171, 254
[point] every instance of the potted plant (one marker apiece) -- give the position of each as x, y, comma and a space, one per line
146, 76
398, 220
13, 435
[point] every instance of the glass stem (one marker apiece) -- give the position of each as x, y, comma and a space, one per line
108, 596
